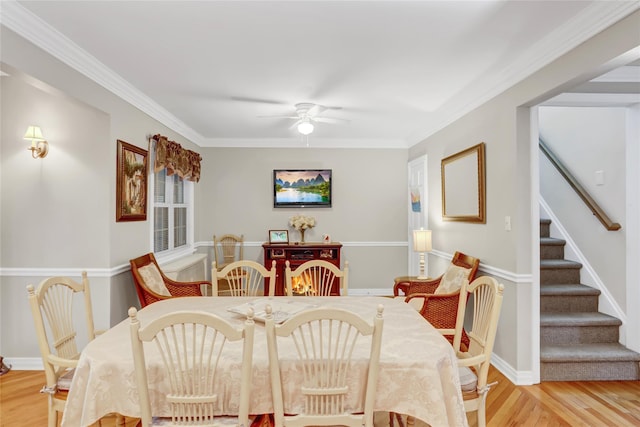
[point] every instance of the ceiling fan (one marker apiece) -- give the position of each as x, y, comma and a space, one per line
307, 113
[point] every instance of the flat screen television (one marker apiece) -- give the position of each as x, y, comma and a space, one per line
302, 188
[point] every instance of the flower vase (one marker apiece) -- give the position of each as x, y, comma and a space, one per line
302, 230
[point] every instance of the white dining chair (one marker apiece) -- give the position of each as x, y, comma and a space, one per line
53, 304
486, 294
243, 278
316, 278
192, 346
324, 339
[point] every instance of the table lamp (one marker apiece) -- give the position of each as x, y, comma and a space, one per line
422, 244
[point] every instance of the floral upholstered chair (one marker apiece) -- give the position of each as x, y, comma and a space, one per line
152, 285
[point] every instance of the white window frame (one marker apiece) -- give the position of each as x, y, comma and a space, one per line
172, 253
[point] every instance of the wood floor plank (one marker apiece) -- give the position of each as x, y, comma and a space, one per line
549, 404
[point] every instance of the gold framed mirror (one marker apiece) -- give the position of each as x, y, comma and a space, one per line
463, 186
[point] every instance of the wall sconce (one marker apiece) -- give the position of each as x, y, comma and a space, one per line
39, 147
422, 244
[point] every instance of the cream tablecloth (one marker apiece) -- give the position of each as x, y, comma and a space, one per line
418, 374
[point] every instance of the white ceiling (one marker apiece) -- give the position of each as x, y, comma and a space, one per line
398, 70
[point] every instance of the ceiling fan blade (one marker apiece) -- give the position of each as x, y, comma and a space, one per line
278, 117
258, 100
315, 110
330, 120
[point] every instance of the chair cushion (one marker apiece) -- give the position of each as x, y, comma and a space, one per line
64, 381
152, 278
452, 279
414, 302
468, 379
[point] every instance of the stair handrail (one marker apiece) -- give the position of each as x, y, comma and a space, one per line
584, 195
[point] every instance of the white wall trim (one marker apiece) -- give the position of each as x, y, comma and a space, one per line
515, 376
590, 22
258, 244
24, 363
40, 33
123, 268
594, 19
632, 219
493, 271
66, 271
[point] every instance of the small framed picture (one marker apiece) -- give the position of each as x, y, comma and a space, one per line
278, 236
326, 238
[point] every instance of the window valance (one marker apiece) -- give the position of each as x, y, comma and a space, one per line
177, 160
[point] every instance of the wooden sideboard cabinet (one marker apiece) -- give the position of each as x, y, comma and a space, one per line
298, 254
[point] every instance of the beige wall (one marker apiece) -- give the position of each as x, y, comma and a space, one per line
58, 213
504, 126
586, 140
368, 213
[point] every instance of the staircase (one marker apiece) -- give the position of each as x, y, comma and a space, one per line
577, 342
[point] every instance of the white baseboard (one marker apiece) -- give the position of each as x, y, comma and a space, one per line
516, 377
24, 363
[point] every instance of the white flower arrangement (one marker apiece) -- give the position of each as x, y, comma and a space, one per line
301, 222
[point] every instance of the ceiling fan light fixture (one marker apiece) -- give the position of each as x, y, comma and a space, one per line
305, 127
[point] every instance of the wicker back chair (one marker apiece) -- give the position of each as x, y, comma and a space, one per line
152, 285
227, 248
440, 309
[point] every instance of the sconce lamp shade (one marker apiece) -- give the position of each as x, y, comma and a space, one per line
34, 134
39, 146
422, 240
305, 127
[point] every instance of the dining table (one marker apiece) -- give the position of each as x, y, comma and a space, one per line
418, 374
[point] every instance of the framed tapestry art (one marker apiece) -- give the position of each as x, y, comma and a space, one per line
131, 183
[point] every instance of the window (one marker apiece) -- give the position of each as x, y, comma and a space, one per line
172, 212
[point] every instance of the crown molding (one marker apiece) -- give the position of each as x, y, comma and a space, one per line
40, 33
593, 100
593, 20
620, 75
305, 142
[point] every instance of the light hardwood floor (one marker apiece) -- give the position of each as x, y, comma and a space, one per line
570, 404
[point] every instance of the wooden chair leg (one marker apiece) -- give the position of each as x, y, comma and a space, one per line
398, 417
410, 421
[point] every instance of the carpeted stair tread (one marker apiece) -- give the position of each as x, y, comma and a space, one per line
568, 289
549, 241
613, 352
578, 319
547, 264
